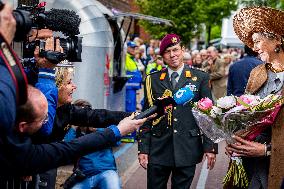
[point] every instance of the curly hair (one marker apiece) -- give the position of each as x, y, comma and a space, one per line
61, 73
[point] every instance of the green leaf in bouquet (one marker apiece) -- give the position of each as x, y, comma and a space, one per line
269, 102
240, 101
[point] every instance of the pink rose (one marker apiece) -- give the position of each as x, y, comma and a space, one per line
246, 99
205, 104
250, 100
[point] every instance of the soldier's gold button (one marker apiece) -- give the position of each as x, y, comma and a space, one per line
175, 119
175, 131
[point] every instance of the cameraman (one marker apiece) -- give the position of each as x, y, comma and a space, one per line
46, 74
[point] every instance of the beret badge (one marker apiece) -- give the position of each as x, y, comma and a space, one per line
174, 40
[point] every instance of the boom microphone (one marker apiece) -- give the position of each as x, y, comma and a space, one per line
64, 20
182, 96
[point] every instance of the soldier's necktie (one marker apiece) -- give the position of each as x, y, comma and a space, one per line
173, 79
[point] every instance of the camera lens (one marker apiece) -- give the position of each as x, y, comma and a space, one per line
24, 24
72, 47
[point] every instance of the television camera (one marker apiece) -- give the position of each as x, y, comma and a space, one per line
62, 20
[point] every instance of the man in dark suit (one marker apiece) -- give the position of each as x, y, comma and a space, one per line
239, 72
173, 144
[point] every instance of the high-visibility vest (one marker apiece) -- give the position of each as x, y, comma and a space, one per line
130, 64
153, 67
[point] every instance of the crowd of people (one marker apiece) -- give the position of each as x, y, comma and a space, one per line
146, 59
41, 128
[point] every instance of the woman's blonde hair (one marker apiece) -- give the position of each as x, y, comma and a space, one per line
61, 73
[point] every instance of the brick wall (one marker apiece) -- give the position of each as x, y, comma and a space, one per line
127, 6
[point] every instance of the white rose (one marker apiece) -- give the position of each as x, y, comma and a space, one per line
215, 111
226, 102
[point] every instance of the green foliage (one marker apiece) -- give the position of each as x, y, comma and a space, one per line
215, 32
180, 12
188, 15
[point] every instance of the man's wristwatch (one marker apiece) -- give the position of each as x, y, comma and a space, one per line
267, 149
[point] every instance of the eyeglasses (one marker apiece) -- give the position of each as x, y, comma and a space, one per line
175, 51
45, 120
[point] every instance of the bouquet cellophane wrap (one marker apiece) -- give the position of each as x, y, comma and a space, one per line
209, 127
246, 116
246, 124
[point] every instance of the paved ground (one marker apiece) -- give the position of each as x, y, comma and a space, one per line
204, 179
134, 177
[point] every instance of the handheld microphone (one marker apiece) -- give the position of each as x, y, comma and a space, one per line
182, 96
158, 107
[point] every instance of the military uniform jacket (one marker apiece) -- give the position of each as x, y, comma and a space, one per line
175, 139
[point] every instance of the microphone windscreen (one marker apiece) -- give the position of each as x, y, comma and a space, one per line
64, 20
183, 95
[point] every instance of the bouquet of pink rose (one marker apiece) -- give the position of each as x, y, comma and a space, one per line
245, 116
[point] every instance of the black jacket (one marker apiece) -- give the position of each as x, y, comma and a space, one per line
19, 156
175, 139
69, 114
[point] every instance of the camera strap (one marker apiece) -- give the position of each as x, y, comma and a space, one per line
16, 70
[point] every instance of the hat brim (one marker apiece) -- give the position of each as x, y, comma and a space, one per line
252, 20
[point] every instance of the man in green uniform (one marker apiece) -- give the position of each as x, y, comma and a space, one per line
173, 144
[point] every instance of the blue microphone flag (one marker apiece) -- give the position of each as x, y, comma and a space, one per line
183, 95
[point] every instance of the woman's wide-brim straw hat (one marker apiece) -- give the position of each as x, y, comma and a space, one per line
252, 20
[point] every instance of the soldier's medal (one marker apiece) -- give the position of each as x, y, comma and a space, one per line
192, 87
169, 110
187, 74
194, 78
167, 93
163, 76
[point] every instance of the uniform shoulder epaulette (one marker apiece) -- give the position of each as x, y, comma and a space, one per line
158, 71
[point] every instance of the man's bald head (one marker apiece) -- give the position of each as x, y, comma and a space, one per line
30, 116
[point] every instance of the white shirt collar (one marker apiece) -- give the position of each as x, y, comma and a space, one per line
179, 71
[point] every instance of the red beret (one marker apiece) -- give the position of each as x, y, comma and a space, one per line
168, 41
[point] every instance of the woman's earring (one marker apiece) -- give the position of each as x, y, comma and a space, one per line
277, 49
